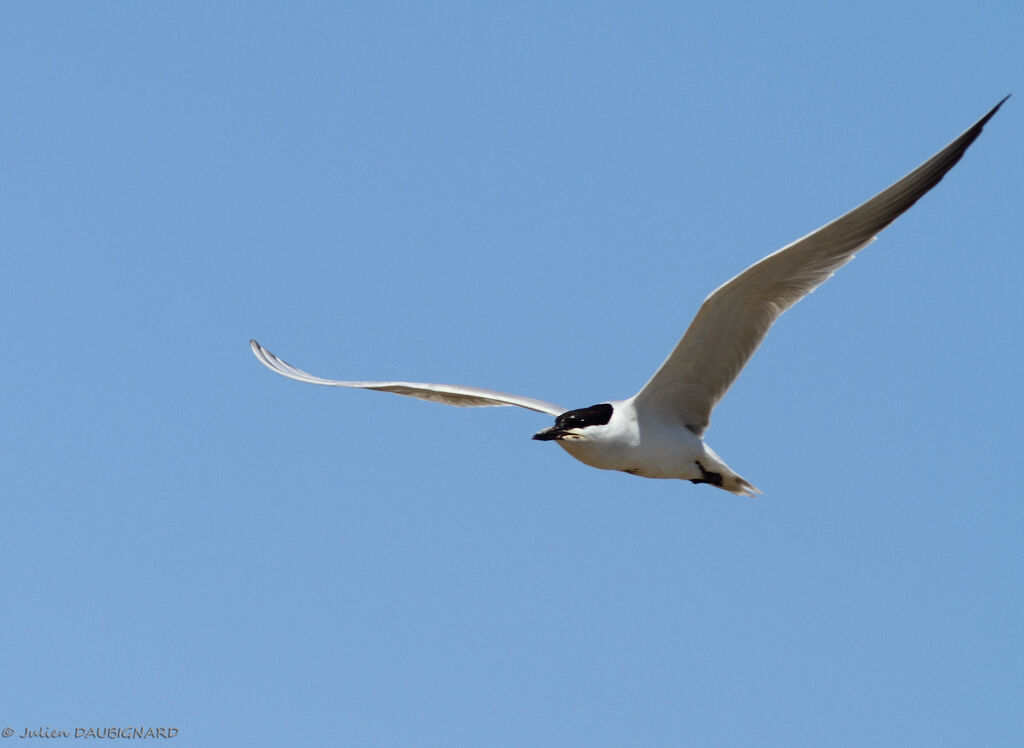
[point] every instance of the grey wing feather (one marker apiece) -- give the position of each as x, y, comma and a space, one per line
734, 319
449, 394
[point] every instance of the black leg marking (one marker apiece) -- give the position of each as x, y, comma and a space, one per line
715, 479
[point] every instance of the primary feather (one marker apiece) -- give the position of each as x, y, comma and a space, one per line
734, 319
449, 394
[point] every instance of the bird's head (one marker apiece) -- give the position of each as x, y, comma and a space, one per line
573, 424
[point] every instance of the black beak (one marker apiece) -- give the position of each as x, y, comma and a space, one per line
550, 434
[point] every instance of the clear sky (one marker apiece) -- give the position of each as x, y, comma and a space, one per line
532, 197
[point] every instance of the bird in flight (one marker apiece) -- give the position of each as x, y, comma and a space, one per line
659, 431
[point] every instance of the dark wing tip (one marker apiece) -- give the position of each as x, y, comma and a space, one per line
932, 171
992, 113
962, 143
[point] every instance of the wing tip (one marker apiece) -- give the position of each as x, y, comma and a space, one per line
266, 358
258, 350
992, 112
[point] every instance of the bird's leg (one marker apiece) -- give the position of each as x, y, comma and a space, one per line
715, 479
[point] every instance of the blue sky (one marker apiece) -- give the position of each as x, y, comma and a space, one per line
534, 198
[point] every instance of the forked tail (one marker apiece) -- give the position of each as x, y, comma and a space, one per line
715, 472
737, 485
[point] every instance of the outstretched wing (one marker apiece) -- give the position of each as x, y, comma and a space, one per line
734, 319
449, 394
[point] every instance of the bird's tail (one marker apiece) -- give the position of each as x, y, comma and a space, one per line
737, 485
720, 475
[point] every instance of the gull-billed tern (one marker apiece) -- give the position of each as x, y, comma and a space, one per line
658, 432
